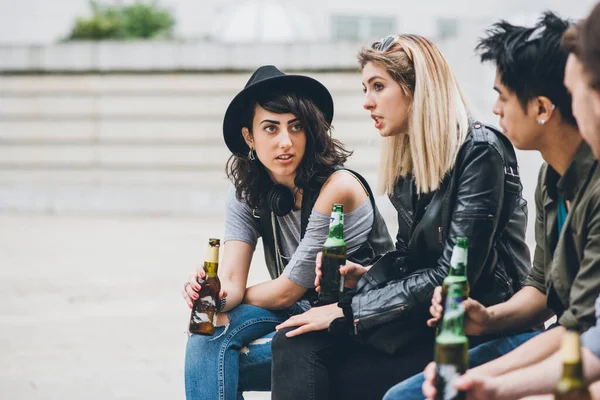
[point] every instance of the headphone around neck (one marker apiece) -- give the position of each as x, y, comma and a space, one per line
280, 199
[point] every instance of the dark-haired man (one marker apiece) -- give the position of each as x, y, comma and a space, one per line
582, 79
535, 114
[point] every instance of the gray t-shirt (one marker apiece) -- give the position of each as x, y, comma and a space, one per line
298, 256
591, 337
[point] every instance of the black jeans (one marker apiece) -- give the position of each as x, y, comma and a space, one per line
318, 366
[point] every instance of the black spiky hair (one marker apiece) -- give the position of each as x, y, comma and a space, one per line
530, 60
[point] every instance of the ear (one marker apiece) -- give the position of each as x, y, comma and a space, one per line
247, 137
544, 109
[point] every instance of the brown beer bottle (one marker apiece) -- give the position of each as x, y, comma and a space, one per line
572, 385
202, 320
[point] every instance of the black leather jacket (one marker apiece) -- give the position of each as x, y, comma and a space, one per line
479, 199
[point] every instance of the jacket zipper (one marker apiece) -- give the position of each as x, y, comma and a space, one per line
390, 311
441, 230
504, 281
474, 215
277, 255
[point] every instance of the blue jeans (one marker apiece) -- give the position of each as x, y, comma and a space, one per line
411, 388
236, 358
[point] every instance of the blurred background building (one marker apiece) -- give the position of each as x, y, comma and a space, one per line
112, 165
134, 126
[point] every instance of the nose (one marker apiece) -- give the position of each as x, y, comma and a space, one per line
497, 109
369, 104
285, 142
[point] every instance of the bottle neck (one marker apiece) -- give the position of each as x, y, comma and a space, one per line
571, 355
336, 226
458, 270
458, 262
211, 261
211, 269
573, 372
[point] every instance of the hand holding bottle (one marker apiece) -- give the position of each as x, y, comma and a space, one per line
351, 271
477, 315
193, 286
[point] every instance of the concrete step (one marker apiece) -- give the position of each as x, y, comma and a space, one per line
223, 83
354, 133
140, 144
137, 156
152, 106
156, 192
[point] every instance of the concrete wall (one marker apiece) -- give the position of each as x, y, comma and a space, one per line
135, 143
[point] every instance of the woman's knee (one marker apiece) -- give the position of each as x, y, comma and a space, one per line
282, 344
307, 345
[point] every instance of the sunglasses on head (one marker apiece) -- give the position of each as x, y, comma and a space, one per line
385, 43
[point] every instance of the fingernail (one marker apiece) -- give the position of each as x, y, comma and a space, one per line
195, 295
197, 287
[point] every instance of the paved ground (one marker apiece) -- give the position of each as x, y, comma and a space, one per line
90, 306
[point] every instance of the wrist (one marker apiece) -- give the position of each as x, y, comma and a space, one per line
495, 391
489, 326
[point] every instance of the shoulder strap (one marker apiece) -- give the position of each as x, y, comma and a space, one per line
512, 180
309, 198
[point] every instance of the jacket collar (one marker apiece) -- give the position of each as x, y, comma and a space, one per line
575, 176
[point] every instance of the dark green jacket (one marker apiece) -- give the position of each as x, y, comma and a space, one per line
567, 268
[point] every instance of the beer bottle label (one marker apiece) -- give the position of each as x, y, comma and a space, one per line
206, 304
446, 373
336, 219
458, 306
200, 317
459, 255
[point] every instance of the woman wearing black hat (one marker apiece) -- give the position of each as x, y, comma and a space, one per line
286, 171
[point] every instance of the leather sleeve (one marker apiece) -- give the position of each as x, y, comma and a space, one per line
475, 213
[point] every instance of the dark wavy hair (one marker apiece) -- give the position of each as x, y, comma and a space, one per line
531, 61
322, 154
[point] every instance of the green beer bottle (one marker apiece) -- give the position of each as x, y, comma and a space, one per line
451, 346
572, 385
458, 270
334, 256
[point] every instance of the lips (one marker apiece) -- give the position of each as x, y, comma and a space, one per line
378, 120
284, 157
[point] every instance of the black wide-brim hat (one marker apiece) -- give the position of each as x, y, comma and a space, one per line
264, 80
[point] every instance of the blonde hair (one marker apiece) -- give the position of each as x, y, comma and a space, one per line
438, 119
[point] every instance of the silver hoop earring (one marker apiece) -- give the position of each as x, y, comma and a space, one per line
251, 155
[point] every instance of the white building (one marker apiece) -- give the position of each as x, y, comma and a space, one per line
42, 21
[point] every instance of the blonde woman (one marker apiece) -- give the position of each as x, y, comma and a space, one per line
447, 176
